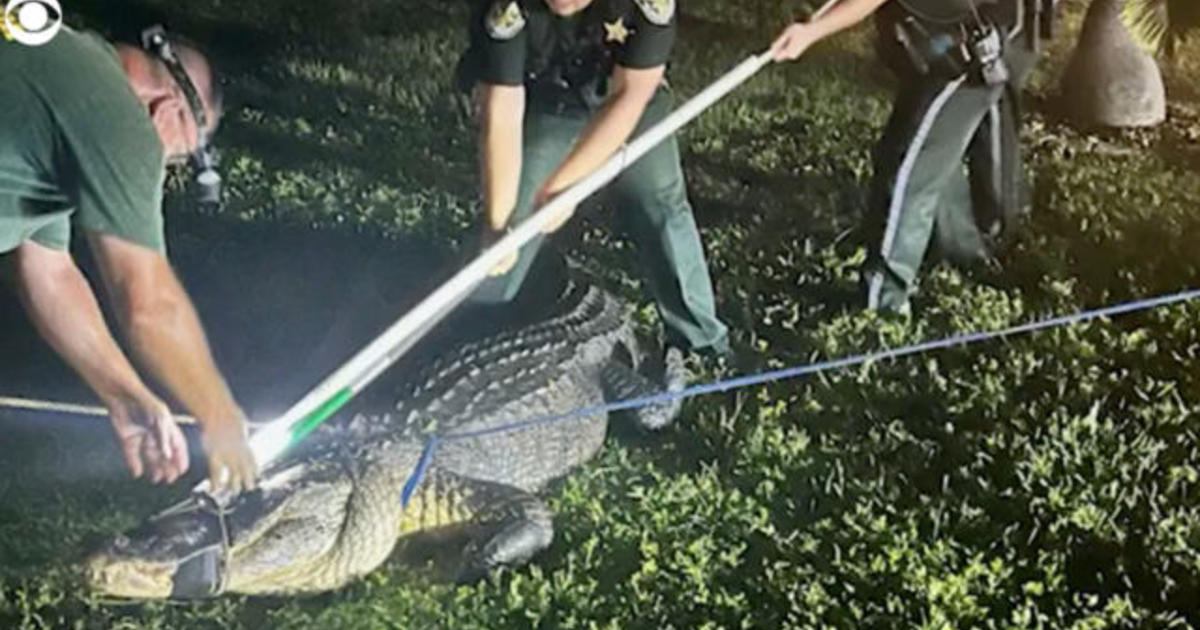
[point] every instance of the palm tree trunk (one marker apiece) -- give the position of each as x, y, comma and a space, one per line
1110, 81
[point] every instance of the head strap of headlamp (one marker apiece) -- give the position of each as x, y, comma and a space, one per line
155, 42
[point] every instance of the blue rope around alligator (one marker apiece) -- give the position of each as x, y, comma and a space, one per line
793, 372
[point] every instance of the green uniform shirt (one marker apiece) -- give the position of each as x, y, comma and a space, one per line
515, 42
75, 145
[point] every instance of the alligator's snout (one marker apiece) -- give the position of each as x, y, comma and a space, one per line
146, 563
116, 576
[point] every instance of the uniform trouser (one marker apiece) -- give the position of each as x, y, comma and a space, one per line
651, 200
923, 185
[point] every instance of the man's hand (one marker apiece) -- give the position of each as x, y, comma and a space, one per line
489, 238
490, 235
833, 18
164, 330
231, 465
543, 197
63, 308
150, 439
632, 91
793, 41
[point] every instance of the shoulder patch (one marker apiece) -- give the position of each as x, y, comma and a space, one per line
505, 20
659, 12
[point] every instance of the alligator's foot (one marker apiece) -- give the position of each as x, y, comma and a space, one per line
519, 526
622, 382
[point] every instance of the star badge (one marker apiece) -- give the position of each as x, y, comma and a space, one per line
616, 31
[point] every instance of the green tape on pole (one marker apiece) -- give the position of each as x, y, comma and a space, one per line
321, 414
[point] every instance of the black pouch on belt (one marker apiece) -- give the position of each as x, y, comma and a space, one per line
910, 45
985, 52
945, 46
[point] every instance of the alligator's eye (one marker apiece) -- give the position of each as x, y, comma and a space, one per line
33, 22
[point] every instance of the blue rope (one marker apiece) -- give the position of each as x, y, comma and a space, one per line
418, 475
795, 372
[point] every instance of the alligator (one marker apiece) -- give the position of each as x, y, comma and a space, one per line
332, 511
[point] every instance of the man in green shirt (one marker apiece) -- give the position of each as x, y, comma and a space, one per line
86, 130
563, 85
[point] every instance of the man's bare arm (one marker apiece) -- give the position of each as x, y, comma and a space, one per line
609, 129
166, 335
63, 307
500, 144
798, 37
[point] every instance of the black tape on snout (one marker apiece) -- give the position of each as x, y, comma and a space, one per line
199, 577
202, 573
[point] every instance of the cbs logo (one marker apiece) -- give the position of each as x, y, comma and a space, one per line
33, 22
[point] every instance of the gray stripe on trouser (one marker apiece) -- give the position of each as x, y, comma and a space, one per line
997, 168
902, 177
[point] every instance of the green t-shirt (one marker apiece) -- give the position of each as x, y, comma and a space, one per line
76, 145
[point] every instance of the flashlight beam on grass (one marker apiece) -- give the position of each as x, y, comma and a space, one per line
277, 436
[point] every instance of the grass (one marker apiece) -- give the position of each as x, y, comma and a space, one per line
1051, 481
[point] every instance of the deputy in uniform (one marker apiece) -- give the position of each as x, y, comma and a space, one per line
948, 162
563, 84
86, 131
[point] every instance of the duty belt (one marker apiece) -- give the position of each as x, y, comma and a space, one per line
568, 88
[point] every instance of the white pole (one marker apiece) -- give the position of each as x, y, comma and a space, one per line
276, 436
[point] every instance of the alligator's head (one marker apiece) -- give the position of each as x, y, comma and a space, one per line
271, 539
289, 535
164, 557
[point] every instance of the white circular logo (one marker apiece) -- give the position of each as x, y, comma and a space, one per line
33, 22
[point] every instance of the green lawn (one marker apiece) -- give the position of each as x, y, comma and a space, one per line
1050, 481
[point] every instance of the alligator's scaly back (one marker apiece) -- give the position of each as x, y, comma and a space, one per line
535, 373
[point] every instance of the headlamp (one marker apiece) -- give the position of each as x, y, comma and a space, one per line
207, 182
